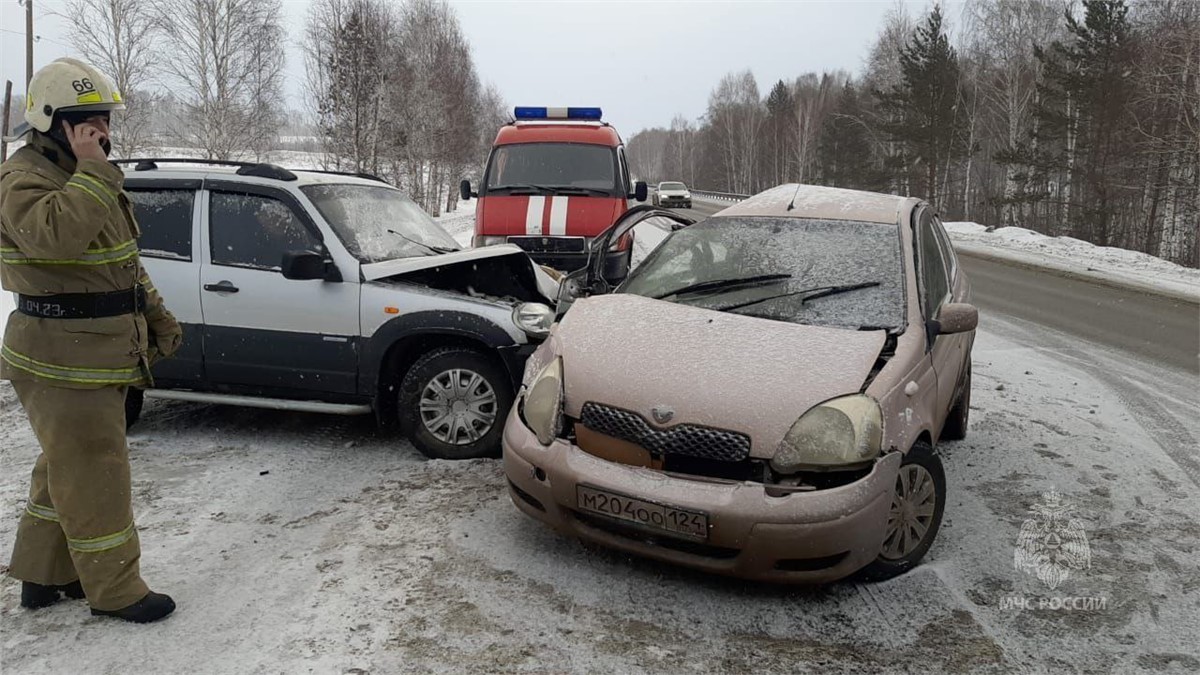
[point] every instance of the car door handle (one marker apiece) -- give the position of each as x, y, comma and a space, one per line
222, 287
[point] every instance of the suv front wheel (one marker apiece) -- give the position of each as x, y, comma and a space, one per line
453, 402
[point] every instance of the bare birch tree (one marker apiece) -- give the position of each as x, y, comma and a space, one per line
118, 37
225, 65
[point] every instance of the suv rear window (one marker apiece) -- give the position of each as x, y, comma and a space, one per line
165, 218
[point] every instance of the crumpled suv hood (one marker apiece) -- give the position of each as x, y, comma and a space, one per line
715, 369
499, 272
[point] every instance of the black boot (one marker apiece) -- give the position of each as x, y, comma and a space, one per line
150, 608
36, 596
73, 590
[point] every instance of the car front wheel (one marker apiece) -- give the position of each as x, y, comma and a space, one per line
918, 502
453, 402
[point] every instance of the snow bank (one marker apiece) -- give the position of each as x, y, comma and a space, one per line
1078, 258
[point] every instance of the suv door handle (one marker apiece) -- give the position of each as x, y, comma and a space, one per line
222, 287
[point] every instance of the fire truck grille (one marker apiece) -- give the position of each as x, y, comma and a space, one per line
684, 439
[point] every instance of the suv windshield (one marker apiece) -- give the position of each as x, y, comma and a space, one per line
770, 268
672, 186
378, 223
547, 166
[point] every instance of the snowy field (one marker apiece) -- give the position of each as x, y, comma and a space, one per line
307, 543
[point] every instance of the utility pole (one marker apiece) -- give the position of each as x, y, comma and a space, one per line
28, 44
4, 120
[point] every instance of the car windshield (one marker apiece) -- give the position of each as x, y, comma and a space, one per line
378, 223
672, 186
818, 272
546, 166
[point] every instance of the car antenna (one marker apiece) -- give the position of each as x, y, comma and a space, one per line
792, 204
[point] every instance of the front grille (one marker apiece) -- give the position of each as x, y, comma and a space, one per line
684, 439
550, 244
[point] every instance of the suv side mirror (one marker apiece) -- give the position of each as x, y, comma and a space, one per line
464, 190
307, 265
955, 317
640, 191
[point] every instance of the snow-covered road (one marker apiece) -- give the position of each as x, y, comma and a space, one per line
305, 543
308, 543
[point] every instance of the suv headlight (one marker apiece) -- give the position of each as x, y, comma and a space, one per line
534, 318
543, 403
837, 434
481, 240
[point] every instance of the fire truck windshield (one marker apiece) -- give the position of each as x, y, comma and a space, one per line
547, 168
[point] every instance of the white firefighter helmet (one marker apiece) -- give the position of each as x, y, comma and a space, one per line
68, 85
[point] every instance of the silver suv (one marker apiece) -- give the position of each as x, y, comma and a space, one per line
335, 293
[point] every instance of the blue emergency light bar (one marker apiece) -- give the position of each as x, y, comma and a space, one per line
534, 113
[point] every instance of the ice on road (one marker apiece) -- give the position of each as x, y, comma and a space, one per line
306, 543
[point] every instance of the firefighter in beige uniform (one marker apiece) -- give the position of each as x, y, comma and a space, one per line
87, 326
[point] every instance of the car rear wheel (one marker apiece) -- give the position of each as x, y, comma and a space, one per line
453, 402
955, 428
918, 502
134, 400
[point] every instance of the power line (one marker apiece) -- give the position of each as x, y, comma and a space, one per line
37, 38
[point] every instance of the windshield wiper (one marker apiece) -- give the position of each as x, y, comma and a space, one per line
719, 284
437, 250
552, 189
808, 293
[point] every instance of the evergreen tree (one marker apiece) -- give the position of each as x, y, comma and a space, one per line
923, 116
846, 153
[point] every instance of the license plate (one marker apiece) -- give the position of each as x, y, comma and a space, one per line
690, 524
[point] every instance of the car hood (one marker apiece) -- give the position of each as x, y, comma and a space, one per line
728, 371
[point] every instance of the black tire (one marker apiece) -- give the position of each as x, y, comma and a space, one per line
134, 400
955, 428
440, 362
921, 456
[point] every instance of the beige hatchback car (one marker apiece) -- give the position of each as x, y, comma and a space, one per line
762, 396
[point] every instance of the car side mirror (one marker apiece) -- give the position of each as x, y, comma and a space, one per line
307, 265
464, 190
640, 191
955, 317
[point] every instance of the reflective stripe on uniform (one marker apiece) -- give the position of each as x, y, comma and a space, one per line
108, 541
92, 256
82, 180
43, 512
70, 373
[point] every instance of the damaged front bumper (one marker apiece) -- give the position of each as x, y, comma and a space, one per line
803, 537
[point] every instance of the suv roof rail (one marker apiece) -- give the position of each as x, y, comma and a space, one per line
356, 174
258, 169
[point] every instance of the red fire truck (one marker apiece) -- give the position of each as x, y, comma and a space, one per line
555, 179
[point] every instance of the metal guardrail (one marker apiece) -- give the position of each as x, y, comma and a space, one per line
720, 196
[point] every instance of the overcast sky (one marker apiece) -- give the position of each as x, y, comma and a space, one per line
642, 62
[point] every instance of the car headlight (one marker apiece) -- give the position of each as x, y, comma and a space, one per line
534, 318
481, 240
837, 434
543, 403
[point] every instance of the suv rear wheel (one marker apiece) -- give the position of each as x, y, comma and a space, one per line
453, 402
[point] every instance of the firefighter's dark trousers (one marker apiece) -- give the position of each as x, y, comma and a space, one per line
78, 523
